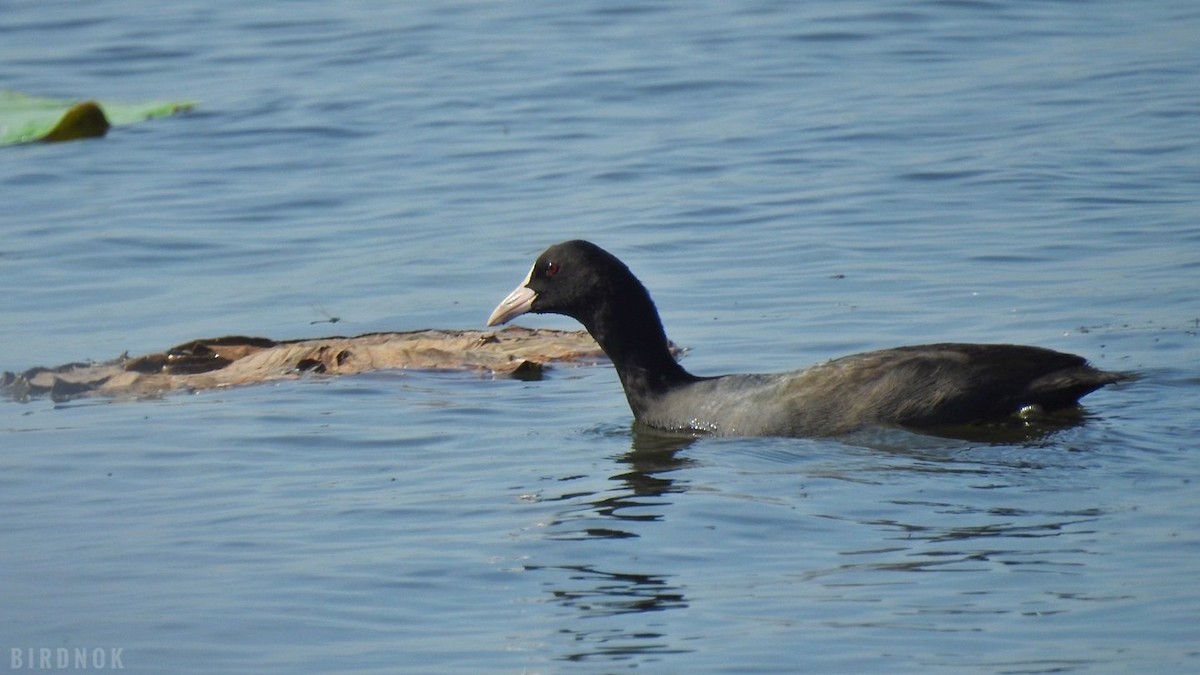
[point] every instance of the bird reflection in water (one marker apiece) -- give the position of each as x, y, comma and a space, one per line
610, 599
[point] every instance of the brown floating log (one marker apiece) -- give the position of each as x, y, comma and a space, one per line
235, 360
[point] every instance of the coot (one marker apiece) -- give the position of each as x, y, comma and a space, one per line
915, 387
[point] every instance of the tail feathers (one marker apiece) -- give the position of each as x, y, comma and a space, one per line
1063, 388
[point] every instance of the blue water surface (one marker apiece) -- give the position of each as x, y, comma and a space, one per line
793, 182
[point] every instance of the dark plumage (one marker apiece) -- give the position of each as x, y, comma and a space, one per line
916, 387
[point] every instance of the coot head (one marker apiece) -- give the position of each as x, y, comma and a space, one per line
574, 278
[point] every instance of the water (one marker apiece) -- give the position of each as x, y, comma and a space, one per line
793, 181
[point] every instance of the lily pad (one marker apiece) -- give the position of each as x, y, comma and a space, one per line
26, 119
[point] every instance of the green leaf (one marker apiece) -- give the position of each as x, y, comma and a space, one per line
25, 119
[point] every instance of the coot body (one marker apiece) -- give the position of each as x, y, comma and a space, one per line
916, 387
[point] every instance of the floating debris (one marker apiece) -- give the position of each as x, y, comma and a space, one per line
236, 360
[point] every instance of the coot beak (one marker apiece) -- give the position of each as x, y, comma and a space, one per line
517, 303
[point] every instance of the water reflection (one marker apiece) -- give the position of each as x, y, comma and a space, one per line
926, 563
651, 455
638, 497
927, 547
856, 529
596, 592
1032, 427
620, 591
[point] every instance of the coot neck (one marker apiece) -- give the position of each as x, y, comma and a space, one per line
631, 334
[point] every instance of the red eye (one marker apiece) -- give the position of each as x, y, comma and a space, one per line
551, 268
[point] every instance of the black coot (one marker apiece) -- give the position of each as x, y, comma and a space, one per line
917, 387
